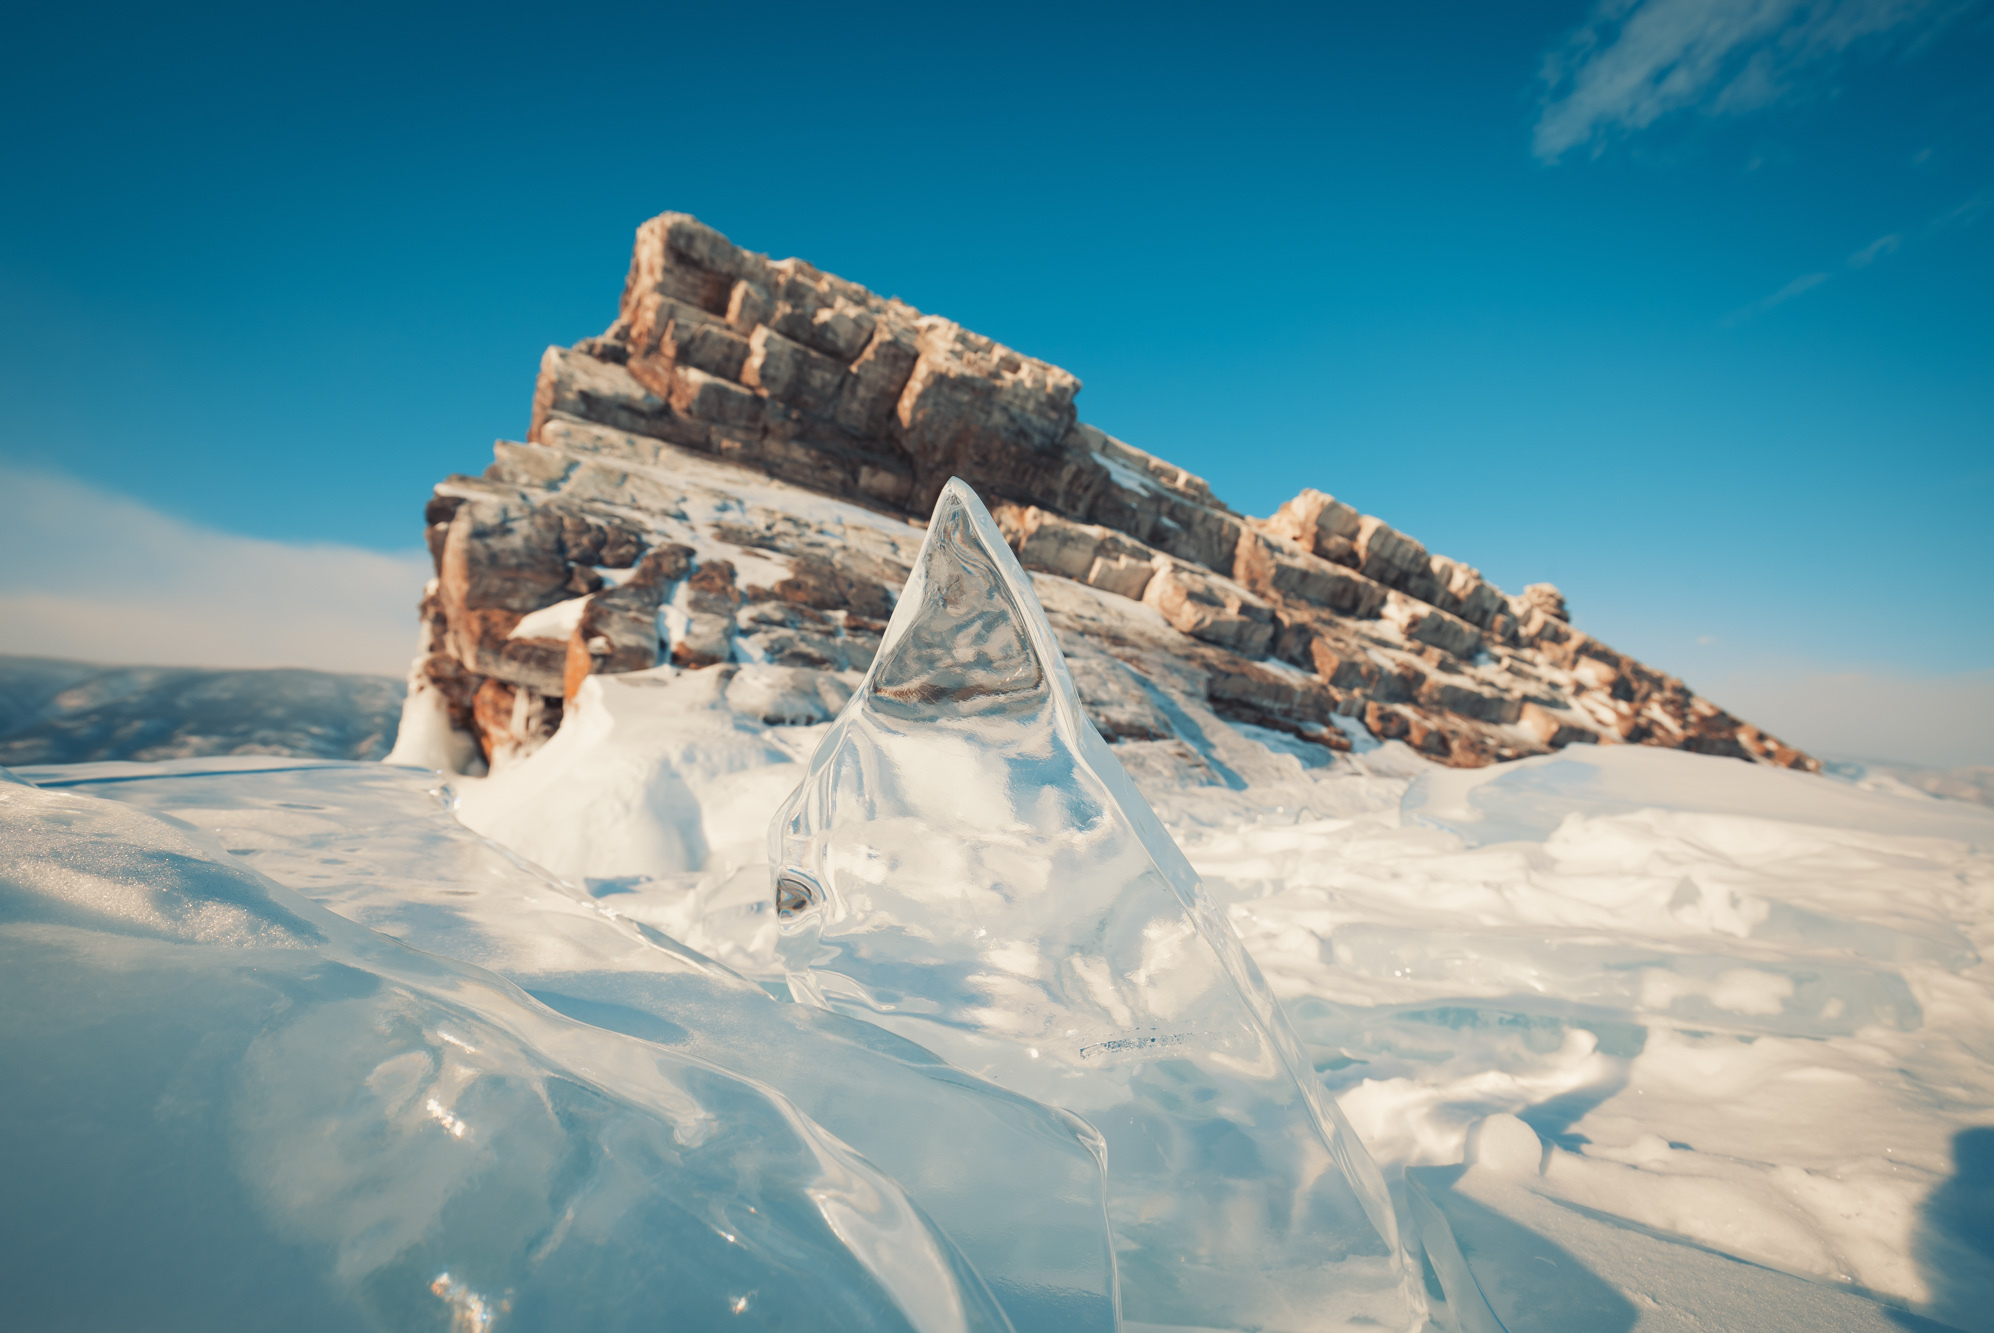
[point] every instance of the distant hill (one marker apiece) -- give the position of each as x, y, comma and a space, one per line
1972, 782
60, 712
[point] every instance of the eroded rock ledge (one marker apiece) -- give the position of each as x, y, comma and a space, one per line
735, 473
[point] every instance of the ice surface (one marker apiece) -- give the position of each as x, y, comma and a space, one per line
1505, 802
1675, 1140
233, 1108
1016, 1186
1744, 1010
967, 865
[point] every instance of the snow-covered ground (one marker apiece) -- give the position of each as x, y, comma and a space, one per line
1672, 1042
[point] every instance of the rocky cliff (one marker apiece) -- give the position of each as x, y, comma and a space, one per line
737, 472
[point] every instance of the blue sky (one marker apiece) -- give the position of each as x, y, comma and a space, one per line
1681, 304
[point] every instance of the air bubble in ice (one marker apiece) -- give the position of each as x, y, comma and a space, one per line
795, 893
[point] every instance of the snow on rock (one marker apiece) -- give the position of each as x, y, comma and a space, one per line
555, 622
647, 774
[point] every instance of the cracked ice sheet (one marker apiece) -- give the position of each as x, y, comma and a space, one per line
1743, 1008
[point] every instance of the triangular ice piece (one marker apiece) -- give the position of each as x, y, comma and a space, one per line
967, 864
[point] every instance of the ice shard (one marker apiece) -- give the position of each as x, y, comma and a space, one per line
967, 865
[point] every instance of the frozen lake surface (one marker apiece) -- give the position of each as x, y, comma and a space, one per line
1664, 1037
1635, 1039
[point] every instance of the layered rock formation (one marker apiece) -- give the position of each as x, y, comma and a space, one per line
737, 470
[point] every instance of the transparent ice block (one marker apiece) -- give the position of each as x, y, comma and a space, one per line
967, 865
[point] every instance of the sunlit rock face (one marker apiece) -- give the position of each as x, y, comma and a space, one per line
966, 864
727, 472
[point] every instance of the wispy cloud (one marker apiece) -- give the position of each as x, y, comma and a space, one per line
90, 574
1953, 218
1635, 61
1963, 215
1806, 282
1876, 250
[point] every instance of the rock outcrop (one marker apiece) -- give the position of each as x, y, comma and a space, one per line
737, 470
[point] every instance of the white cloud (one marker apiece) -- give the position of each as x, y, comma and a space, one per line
1806, 282
1942, 720
89, 574
1875, 250
1965, 214
1962, 215
1636, 61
